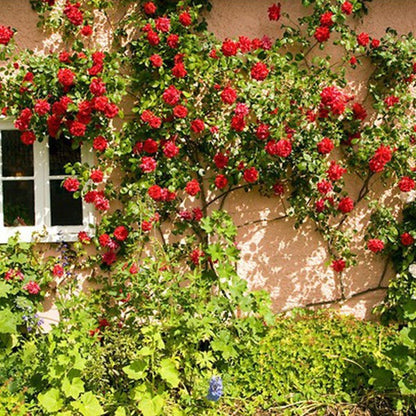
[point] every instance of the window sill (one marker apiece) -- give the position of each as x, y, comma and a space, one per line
68, 233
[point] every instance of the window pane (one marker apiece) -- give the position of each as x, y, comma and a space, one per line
17, 157
18, 203
61, 153
65, 209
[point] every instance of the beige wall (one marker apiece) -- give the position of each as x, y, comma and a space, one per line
291, 264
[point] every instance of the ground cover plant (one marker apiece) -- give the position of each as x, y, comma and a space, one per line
169, 327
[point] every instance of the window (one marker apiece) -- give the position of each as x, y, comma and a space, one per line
31, 196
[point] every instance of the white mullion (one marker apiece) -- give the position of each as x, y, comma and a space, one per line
41, 168
1, 183
88, 217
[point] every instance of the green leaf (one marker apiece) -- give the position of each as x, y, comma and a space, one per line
88, 405
73, 388
169, 372
50, 400
136, 370
5, 289
151, 406
8, 322
121, 411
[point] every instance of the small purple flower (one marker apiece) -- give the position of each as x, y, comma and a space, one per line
215, 389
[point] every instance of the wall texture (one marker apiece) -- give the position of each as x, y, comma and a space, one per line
291, 264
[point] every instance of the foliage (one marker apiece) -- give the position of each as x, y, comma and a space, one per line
169, 312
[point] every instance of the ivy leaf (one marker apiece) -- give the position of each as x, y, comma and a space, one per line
169, 372
88, 405
50, 400
8, 322
136, 370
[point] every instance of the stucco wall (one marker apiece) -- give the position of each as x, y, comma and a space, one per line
291, 264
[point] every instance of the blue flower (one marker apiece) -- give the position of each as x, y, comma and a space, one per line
215, 389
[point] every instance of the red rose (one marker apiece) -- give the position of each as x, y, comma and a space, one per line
104, 240
171, 95
196, 256
353, 60
192, 187
407, 239
86, 30
338, 265
6, 35
101, 202
58, 270
95, 69
66, 77
197, 126
229, 48
153, 38
97, 87
54, 123
221, 181
346, 205
121, 233
335, 99
96, 175
77, 129
283, 148
391, 100
149, 8
146, 226
23, 121
180, 111
111, 110
100, 143
244, 44
100, 103
262, 131
259, 71
238, 123
109, 257
162, 24
83, 237
221, 160
375, 245
325, 146
71, 184
278, 189
228, 95
185, 19
251, 175
363, 39
320, 205
375, 43
347, 7
28, 137
173, 41
155, 122
335, 171
155, 192
359, 112
32, 287
406, 184
73, 13
170, 149
322, 33
381, 157
156, 60
274, 12
148, 164
324, 187
326, 19
197, 214
150, 146
179, 71
65, 57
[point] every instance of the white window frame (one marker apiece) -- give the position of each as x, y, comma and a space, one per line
41, 178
